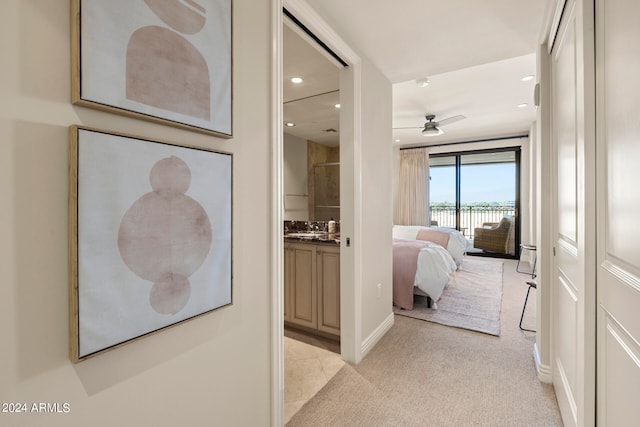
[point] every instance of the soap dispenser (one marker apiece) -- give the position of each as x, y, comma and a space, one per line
331, 226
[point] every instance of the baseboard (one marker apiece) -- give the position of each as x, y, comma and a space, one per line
544, 371
376, 335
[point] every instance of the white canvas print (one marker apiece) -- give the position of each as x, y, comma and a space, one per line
158, 59
153, 236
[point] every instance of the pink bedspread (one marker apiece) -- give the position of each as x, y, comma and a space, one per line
434, 235
405, 264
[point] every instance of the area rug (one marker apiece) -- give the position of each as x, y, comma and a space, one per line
472, 299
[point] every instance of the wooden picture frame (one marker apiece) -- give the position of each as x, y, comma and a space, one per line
167, 61
149, 237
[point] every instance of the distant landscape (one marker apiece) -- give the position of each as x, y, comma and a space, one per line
472, 215
487, 194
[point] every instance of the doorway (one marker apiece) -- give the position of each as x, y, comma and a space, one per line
349, 113
312, 191
311, 181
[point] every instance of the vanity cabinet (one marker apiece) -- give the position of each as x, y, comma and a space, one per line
328, 274
300, 284
312, 286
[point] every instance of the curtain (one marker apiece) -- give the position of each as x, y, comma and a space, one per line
413, 197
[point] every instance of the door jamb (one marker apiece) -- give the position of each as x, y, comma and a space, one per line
351, 288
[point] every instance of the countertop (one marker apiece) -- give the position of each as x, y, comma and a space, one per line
315, 238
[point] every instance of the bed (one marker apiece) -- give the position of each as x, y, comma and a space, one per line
419, 267
452, 240
424, 259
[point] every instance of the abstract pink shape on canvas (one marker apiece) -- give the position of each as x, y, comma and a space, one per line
163, 68
165, 236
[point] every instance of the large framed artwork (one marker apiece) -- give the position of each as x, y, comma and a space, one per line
149, 237
168, 61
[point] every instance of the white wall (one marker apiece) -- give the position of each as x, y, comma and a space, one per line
294, 178
213, 370
377, 209
544, 221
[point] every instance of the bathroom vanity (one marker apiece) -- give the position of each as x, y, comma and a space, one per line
312, 282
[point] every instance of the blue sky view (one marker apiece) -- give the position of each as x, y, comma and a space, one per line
479, 183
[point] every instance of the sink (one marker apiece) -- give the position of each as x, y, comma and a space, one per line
313, 234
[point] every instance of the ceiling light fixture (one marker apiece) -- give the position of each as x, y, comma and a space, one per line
296, 80
430, 127
527, 78
432, 131
423, 82
289, 124
337, 105
523, 105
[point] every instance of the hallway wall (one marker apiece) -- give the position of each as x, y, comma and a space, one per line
213, 370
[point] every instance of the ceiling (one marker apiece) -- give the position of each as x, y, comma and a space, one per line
473, 53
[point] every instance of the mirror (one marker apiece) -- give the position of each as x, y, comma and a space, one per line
312, 129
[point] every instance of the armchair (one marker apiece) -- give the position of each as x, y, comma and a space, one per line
496, 237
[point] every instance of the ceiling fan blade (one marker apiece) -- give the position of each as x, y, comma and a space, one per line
410, 127
450, 120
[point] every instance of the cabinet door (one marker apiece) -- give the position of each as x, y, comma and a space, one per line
303, 294
328, 289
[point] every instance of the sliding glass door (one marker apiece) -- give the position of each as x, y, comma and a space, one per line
443, 191
478, 193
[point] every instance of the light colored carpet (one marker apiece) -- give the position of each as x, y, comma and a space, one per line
351, 400
426, 374
471, 301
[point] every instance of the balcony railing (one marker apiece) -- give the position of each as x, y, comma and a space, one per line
471, 216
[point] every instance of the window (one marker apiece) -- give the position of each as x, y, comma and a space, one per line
477, 192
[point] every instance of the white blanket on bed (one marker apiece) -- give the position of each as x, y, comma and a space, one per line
419, 264
435, 266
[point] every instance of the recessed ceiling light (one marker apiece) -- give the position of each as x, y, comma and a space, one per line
523, 105
397, 140
527, 78
289, 124
423, 82
337, 105
296, 80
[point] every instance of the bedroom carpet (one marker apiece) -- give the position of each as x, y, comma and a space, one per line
426, 374
472, 300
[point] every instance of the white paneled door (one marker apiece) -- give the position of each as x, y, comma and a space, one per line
618, 257
573, 281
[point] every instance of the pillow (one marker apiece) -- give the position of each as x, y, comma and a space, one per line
434, 235
405, 232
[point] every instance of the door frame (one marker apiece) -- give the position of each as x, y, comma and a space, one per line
350, 194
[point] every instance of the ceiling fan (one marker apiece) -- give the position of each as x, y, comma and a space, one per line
432, 128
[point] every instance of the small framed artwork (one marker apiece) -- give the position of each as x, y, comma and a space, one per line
149, 237
168, 61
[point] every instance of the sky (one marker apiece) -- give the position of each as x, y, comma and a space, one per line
479, 183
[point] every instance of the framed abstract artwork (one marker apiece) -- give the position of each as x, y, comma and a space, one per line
149, 237
168, 61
